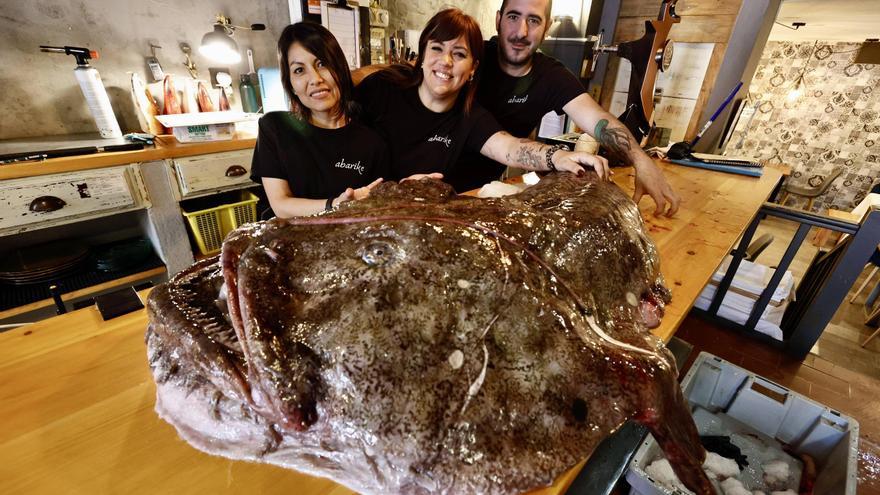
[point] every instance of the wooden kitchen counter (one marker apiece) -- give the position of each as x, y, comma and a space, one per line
166, 147
76, 400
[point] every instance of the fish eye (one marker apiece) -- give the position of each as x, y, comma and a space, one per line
377, 253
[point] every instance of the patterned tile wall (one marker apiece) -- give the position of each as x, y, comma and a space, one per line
835, 121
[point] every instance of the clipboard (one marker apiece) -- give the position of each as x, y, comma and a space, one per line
345, 24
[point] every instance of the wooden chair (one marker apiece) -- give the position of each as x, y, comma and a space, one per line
809, 191
872, 310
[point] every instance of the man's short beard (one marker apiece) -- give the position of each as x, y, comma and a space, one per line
516, 63
519, 63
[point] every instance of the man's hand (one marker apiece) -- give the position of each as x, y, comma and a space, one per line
573, 161
623, 149
650, 180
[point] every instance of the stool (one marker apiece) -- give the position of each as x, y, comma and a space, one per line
871, 313
871, 317
822, 236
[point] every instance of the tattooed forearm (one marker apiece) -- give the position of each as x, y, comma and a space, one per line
527, 154
616, 142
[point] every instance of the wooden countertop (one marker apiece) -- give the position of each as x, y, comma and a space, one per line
76, 402
166, 147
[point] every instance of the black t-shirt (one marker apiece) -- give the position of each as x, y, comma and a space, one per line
317, 163
420, 140
517, 103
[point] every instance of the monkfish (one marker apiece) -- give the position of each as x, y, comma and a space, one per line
422, 342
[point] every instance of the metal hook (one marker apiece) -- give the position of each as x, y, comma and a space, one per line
189, 64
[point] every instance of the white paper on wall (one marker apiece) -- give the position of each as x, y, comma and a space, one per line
618, 103
685, 75
674, 113
344, 23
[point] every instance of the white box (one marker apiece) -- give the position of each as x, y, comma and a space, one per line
722, 395
205, 126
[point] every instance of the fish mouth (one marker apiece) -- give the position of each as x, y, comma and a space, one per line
652, 305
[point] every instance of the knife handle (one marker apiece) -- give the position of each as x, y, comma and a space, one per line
124, 147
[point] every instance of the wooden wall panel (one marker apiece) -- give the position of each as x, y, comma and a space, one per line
691, 29
609, 81
650, 8
708, 85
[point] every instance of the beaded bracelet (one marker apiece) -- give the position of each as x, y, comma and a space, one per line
550, 151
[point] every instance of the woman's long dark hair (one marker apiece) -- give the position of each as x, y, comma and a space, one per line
446, 25
323, 45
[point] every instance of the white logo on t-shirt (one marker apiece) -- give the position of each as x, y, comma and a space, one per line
441, 139
350, 166
521, 99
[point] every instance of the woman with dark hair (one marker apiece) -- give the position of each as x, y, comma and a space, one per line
315, 156
428, 115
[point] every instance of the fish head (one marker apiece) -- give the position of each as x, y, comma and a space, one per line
358, 292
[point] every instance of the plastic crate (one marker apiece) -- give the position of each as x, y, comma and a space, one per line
726, 399
211, 225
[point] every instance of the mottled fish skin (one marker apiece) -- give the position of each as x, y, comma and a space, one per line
421, 342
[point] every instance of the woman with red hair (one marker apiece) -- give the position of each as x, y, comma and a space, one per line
428, 115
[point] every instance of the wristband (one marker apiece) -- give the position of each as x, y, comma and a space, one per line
550, 151
329, 205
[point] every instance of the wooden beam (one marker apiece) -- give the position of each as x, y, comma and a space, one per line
650, 8
691, 29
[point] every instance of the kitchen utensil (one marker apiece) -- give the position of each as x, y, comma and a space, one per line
92, 88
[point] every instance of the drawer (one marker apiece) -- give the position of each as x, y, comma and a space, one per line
37, 202
205, 173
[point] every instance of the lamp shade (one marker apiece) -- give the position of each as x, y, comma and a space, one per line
219, 47
869, 53
563, 27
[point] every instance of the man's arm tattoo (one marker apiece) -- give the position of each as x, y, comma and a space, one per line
615, 141
528, 154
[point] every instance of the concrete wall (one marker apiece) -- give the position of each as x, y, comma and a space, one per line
38, 93
40, 97
413, 14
